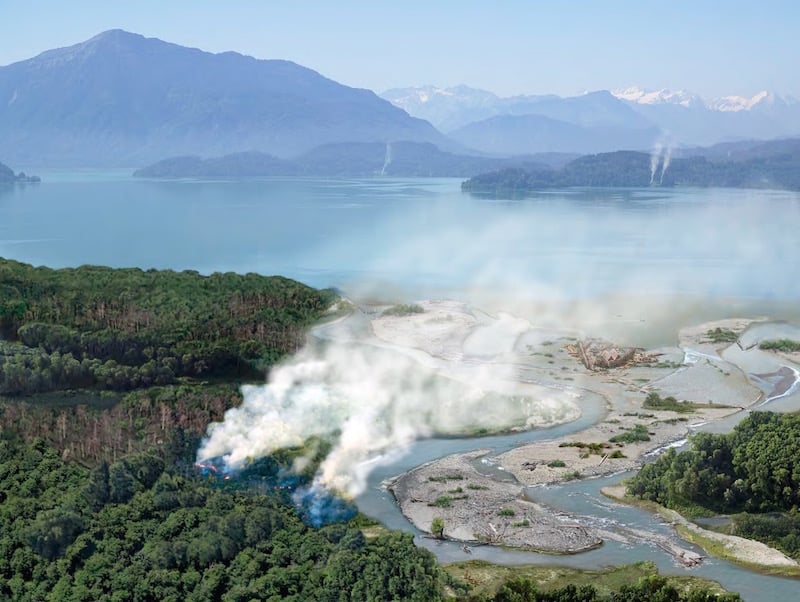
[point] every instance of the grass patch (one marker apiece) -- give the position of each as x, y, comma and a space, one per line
785, 345
486, 578
446, 501
722, 335
654, 401
587, 448
447, 477
403, 310
521, 523
667, 364
637, 433
475, 487
506, 512
556, 464
443, 501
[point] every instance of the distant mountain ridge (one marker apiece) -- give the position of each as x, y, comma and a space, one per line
352, 159
121, 99
677, 117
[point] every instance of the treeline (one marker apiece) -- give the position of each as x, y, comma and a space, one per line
122, 329
753, 469
633, 169
89, 427
406, 159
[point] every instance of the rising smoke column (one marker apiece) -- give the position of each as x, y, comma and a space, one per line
387, 159
667, 157
371, 403
655, 158
661, 155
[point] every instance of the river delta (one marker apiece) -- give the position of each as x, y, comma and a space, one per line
487, 496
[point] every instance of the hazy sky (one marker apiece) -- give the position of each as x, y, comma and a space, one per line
712, 47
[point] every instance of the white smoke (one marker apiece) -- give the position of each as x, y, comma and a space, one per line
661, 154
667, 157
387, 159
655, 268
655, 158
372, 403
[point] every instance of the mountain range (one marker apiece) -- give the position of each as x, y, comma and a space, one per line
631, 118
123, 99
120, 99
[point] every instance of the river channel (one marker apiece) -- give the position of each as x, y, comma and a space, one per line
582, 500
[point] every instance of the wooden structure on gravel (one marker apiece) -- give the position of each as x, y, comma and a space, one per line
597, 354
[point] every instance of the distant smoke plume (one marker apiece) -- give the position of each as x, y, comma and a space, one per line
655, 158
667, 157
661, 155
388, 159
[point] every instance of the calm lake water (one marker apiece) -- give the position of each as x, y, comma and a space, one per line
702, 254
417, 236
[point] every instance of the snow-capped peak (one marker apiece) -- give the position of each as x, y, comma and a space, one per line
688, 99
664, 96
426, 94
740, 103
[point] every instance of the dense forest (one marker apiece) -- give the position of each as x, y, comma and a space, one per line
635, 169
132, 530
752, 471
127, 328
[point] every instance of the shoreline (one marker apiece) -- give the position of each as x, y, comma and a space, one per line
489, 506
748, 553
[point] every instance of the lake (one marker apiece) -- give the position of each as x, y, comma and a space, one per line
631, 257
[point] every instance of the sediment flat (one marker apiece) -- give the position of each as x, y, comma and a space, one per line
489, 506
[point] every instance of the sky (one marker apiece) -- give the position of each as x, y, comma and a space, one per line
710, 47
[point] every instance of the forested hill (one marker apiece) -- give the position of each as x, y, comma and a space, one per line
353, 159
7, 176
775, 170
122, 329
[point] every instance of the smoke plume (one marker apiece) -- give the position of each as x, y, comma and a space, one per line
372, 402
655, 158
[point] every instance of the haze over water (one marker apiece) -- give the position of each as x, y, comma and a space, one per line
395, 239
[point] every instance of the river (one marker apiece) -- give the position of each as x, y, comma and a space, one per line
634, 264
